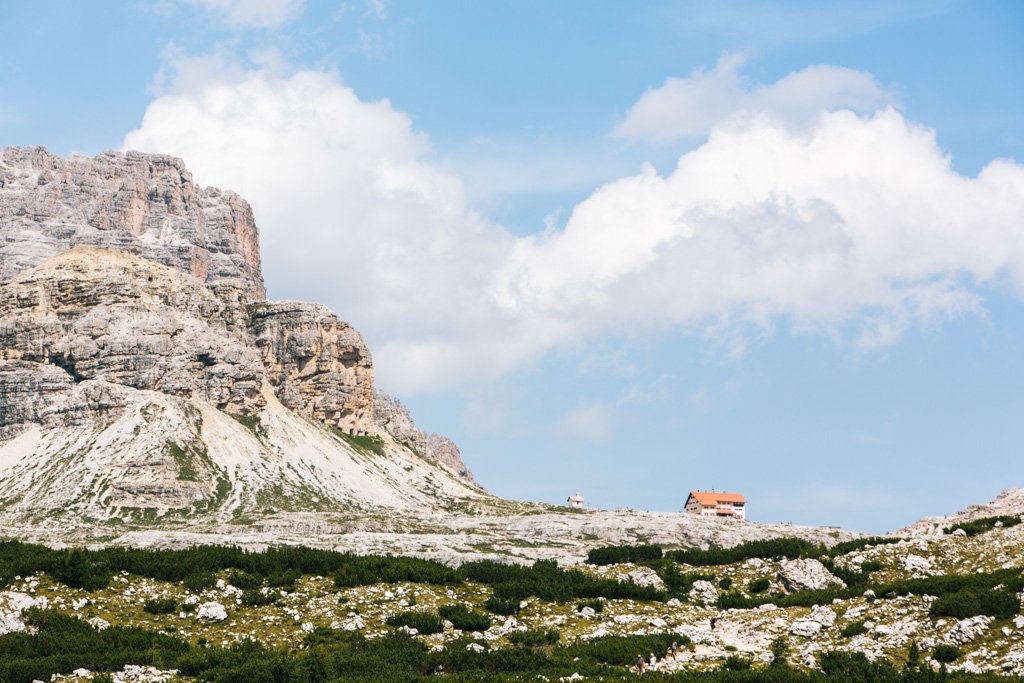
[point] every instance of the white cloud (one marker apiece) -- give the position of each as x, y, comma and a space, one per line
847, 224
690, 107
856, 221
252, 13
588, 422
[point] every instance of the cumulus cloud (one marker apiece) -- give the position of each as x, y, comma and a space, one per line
850, 224
690, 107
588, 422
252, 13
859, 220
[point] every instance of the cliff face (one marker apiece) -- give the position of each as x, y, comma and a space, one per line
102, 315
150, 371
318, 365
144, 204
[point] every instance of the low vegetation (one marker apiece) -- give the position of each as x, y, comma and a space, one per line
406, 619
983, 524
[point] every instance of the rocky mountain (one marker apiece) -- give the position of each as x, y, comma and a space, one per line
128, 388
142, 372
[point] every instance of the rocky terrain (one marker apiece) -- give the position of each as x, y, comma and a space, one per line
802, 604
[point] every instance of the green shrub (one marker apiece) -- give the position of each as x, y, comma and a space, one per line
780, 653
970, 602
622, 650
983, 524
946, 653
424, 622
200, 581
736, 663
617, 554
465, 619
854, 628
259, 598
285, 579
245, 580
596, 605
534, 637
726, 583
160, 606
859, 544
502, 606
758, 585
772, 548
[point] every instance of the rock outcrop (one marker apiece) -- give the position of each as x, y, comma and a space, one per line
127, 386
96, 314
1008, 502
393, 417
317, 364
806, 574
83, 319
145, 204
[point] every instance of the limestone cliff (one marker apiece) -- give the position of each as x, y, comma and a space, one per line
318, 365
102, 315
128, 389
145, 204
132, 299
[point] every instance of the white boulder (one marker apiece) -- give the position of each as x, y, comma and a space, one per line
211, 612
806, 574
703, 592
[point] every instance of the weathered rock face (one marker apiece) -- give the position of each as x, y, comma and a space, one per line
145, 204
317, 364
806, 574
147, 373
391, 416
96, 314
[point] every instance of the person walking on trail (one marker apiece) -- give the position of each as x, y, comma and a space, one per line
640, 666
674, 650
654, 662
714, 620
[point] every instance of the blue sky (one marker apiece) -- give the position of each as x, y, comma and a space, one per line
630, 249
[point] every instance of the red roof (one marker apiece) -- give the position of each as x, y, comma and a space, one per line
714, 498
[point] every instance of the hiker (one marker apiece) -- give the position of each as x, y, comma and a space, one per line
674, 650
640, 666
714, 620
654, 662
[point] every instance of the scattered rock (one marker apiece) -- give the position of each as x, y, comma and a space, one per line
968, 629
805, 627
703, 592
